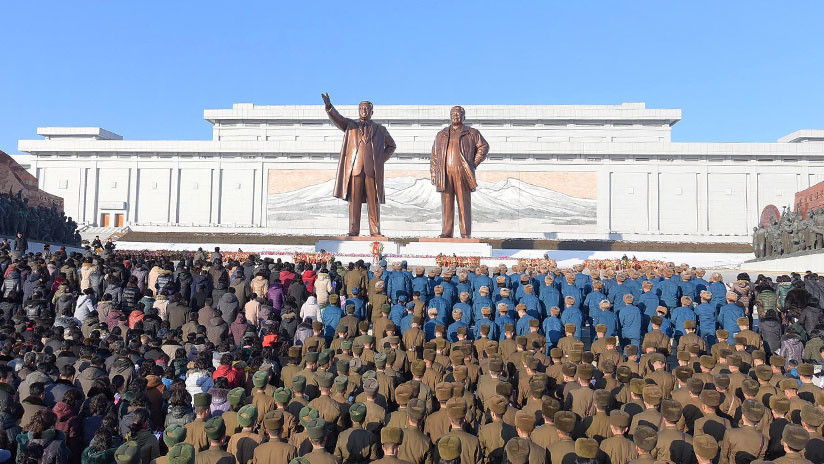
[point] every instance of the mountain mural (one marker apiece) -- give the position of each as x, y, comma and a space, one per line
412, 198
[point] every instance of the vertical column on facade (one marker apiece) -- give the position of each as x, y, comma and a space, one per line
214, 218
702, 191
132, 207
753, 215
654, 225
90, 212
603, 213
81, 195
174, 194
261, 200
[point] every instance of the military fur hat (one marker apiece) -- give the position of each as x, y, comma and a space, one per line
460, 373
752, 410
370, 386
734, 360
805, 369
636, 386
181, 453
607, 366
298, 383
760, 355
392, 435
584, 372
569, 328
311, 357
273, 420
216, 429
658, 358
449, 447
600, 328
682, 373
174, 434
812, 415
416, 409
778, 361
496, 364
236, 396
418, 368
456, 408
645, 438
749, 387
689, 324
202, 400
722, 334
618, 418
671, 410
631, 350
325, 379
565, 421
623, 374
763, 372
517, 450
403, 393
683, 356
602, 399
504, 389
705, 446
247, 415
586, 448
707, 362
316, 428
443, 391
652, 394
795, 437
307, 414
294, 352
721, 381
357, 412
525, 421
711, 398
549, 406
779, 404
788, 384
738, 340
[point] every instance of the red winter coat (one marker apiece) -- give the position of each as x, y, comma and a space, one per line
309, 277
231, 374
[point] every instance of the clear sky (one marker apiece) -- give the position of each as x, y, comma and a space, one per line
740, 70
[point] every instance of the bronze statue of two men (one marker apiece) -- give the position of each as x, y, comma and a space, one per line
456, 154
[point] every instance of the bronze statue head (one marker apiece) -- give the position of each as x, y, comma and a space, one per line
365, 110
457, 115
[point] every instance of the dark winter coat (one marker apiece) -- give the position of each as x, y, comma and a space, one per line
53, 443
809, 318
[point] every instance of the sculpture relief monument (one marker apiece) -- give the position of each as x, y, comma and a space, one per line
456, 153
359, 179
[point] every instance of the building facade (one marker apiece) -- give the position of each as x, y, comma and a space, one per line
566, 172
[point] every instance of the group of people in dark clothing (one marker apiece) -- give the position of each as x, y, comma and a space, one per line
107, 357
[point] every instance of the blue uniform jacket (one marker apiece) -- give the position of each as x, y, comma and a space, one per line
466, 311
719, 294
493, 329
553, 330
728, 318
330, 316
609, 319
442, 306
360, 307
679, 315
593, 301
666, 326
501, 321
669, 293
397, 313
399, 282
629, 317
550, 296
573, 315
522, 326
478, 303
421, 285
533, 305
452, 331
706, 316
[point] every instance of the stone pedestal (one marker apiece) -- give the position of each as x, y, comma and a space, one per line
347, 245
448, 246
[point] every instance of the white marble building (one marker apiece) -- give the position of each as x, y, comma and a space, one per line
594, 171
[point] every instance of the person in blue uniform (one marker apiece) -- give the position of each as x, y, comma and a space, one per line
421, 284
481, 300
486, 319
648, 301
728, 316
398, 310
668, 290
572, 315
522, 326
439, 303
398, 283
360, 306
606, 317
680, 315
707, 316
331, 315
482, 279
502, 319
463, 284
450, 293
533, 304
432, 321
629, 318
553, 328
406, 321
687, 285
465, 307
433, 279
617, 292
568, 289
582, 281
505, 299
452, 330
593, 301
699, 282
666, 324
549, 296
718, 290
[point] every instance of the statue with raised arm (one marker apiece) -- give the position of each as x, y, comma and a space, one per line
456, 153
366, 146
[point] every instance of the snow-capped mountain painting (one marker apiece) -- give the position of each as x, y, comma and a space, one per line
413, 199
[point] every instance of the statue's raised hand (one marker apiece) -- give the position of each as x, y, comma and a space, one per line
326, 100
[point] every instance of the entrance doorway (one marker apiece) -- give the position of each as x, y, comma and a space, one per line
104, 220
118, 220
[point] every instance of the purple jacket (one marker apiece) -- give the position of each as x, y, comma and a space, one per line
275, 295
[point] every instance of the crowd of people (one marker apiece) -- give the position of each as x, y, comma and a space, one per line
113, 358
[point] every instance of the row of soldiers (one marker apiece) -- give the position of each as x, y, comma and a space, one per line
361, 400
